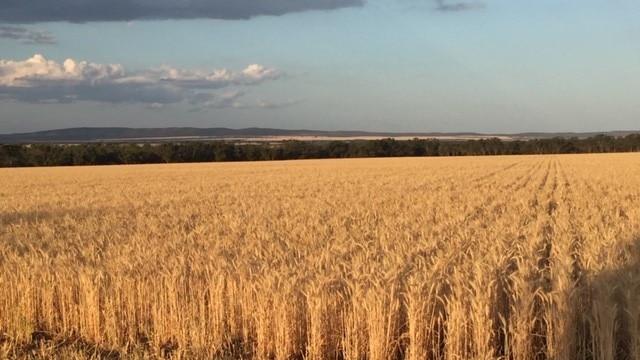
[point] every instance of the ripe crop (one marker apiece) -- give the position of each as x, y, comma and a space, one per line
523, 257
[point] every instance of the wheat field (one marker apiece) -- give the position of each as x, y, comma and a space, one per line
521, 257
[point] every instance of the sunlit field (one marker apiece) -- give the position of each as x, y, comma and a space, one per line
531, 257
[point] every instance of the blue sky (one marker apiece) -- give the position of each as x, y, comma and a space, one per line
496, 66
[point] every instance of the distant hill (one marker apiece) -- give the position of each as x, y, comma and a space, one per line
124, 134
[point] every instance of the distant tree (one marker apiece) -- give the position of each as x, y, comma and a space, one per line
416, 147
12, 155
630, 142
338, 149
102, 154
223, 151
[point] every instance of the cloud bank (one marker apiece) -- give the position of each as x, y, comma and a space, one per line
25, 35
460, 6
39, 80
32, 11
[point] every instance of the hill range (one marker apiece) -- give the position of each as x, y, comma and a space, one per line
153, 135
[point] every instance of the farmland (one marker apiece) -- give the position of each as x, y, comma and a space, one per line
515, 257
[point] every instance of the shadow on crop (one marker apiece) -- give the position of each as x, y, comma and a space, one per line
608, 309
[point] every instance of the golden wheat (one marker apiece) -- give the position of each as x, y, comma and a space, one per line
527, 257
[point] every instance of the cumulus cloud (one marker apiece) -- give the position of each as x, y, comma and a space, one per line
31, 11
219, 78
25, 35
460, 6
41, 80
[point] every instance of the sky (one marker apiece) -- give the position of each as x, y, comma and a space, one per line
491, 66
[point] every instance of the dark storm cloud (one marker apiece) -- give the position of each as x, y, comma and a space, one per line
459, 6
26, 36
32, 11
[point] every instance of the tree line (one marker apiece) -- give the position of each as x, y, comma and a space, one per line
111, 154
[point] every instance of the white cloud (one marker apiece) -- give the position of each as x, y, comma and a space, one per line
256, 72
37, 71
38, 79
252, 75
